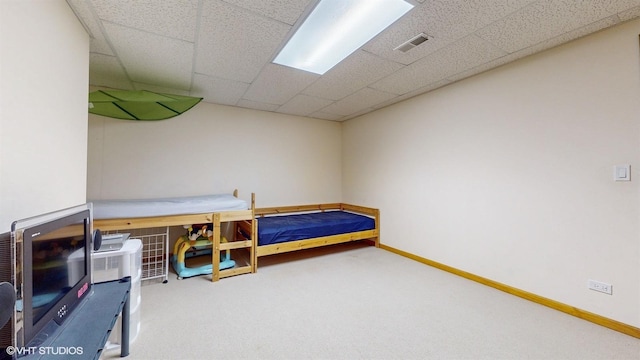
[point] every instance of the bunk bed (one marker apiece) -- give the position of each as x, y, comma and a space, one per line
132, 215
290, 228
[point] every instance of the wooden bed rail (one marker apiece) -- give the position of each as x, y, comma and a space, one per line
315, 207
361, 209
148, 222
171, 220
296, 208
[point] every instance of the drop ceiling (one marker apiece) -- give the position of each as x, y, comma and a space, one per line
222, 50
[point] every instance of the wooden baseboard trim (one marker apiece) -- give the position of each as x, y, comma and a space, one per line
582, 314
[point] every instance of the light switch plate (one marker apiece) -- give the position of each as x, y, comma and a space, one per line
622, 173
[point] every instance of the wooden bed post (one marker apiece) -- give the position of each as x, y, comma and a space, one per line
215, 261
377, 219
254, 234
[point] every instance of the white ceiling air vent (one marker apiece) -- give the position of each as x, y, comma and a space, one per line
413, 42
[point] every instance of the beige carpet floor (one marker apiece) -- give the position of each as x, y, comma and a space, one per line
357, 302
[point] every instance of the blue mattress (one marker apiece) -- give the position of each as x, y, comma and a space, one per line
283, 228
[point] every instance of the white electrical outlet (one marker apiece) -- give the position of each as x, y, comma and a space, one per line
600, 286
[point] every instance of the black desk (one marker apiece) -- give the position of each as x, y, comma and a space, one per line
88, 327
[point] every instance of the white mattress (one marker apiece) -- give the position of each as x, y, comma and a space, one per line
124, 209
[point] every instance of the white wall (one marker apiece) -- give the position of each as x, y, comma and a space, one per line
44, 67
509, 174
285, 160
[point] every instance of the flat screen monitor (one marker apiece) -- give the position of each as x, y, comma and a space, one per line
55, 268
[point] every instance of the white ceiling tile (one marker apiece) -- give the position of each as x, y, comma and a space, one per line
413, 93
544, 20
358, 101
486, 66
629, 14
460, 56
407, 79
152, 59
277, 84
356, 72
444, 21
422, 90
218, 91
361, 112
574, 34
287, 11
175, 18
326, 116
618, 6
98, 43
257, 105
304, 105
558, 40
160, 89
106, 71
234, 43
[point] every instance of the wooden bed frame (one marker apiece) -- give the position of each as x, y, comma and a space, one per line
264, 250
216, 218
245, 232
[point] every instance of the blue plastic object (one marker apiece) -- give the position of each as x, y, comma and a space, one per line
184, 272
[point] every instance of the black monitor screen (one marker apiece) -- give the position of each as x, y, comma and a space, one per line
54, 272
